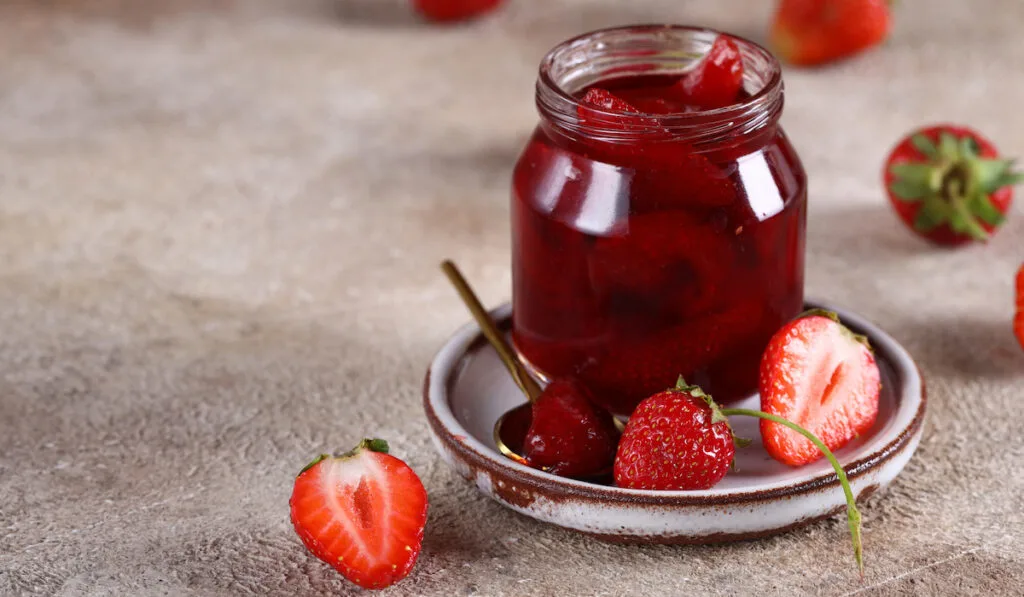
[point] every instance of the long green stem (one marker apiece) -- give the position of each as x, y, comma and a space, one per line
974, 229
852, 514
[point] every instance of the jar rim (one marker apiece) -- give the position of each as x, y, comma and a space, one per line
760, 106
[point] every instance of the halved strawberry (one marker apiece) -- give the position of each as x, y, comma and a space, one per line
1018, 320
820, 375
362, 512
717, 79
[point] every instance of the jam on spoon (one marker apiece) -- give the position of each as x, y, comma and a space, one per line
559, 430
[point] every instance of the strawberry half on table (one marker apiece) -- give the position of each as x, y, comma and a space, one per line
362, 512
949, 184
821, 376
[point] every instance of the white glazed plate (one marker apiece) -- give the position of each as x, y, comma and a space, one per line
467, 389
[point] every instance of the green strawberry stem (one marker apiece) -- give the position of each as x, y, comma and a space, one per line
970, 222
852, 514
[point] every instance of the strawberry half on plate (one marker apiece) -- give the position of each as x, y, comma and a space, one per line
821, 376
362, 512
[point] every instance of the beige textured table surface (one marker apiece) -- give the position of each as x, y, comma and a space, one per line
220, 224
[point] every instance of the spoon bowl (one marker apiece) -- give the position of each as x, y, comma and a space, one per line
511, 428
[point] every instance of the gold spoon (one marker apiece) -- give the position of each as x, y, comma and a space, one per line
510, 428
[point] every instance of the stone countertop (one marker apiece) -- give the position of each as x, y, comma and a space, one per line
220, 224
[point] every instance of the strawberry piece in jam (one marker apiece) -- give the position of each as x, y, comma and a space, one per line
669, 264
717, 79
626, 116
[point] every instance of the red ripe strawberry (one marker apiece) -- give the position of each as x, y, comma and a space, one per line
819, 375
676, 439
454, 10
568, 436
680, 440
949, 185
362, 512
1018, 320
813, 32
716, 80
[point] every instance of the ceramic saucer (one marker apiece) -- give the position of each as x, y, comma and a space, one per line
467, 389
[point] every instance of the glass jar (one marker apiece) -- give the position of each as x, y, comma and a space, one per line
671, 246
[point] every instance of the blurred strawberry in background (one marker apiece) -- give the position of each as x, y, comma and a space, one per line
1018, 320
815, 32
949, 184
448, 11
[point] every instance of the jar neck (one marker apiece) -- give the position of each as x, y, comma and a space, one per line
652, 50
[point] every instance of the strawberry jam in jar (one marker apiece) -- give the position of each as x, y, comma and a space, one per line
658, 215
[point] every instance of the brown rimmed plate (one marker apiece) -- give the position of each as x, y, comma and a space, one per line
467, 389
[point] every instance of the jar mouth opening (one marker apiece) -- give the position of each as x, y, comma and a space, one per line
599, 55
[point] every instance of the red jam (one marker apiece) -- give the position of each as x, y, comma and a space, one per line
646, 247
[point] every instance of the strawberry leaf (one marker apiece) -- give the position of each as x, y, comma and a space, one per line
921, 174
949, 148
315, 462
912, 181
959, 224
931, 215
1007, 179
981, 206
376, 445
924, 145
992, 174
373, 445
908, 191
969, 147
698, 392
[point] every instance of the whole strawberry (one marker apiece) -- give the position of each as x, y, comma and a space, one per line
362, 512
680, 440
949, 184
676, 439
1018, 320
820, 375
814, 32
568, 435
445, 11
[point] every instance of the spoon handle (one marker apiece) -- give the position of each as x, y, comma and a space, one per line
522, 378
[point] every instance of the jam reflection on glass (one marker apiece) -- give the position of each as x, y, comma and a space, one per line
641, 259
